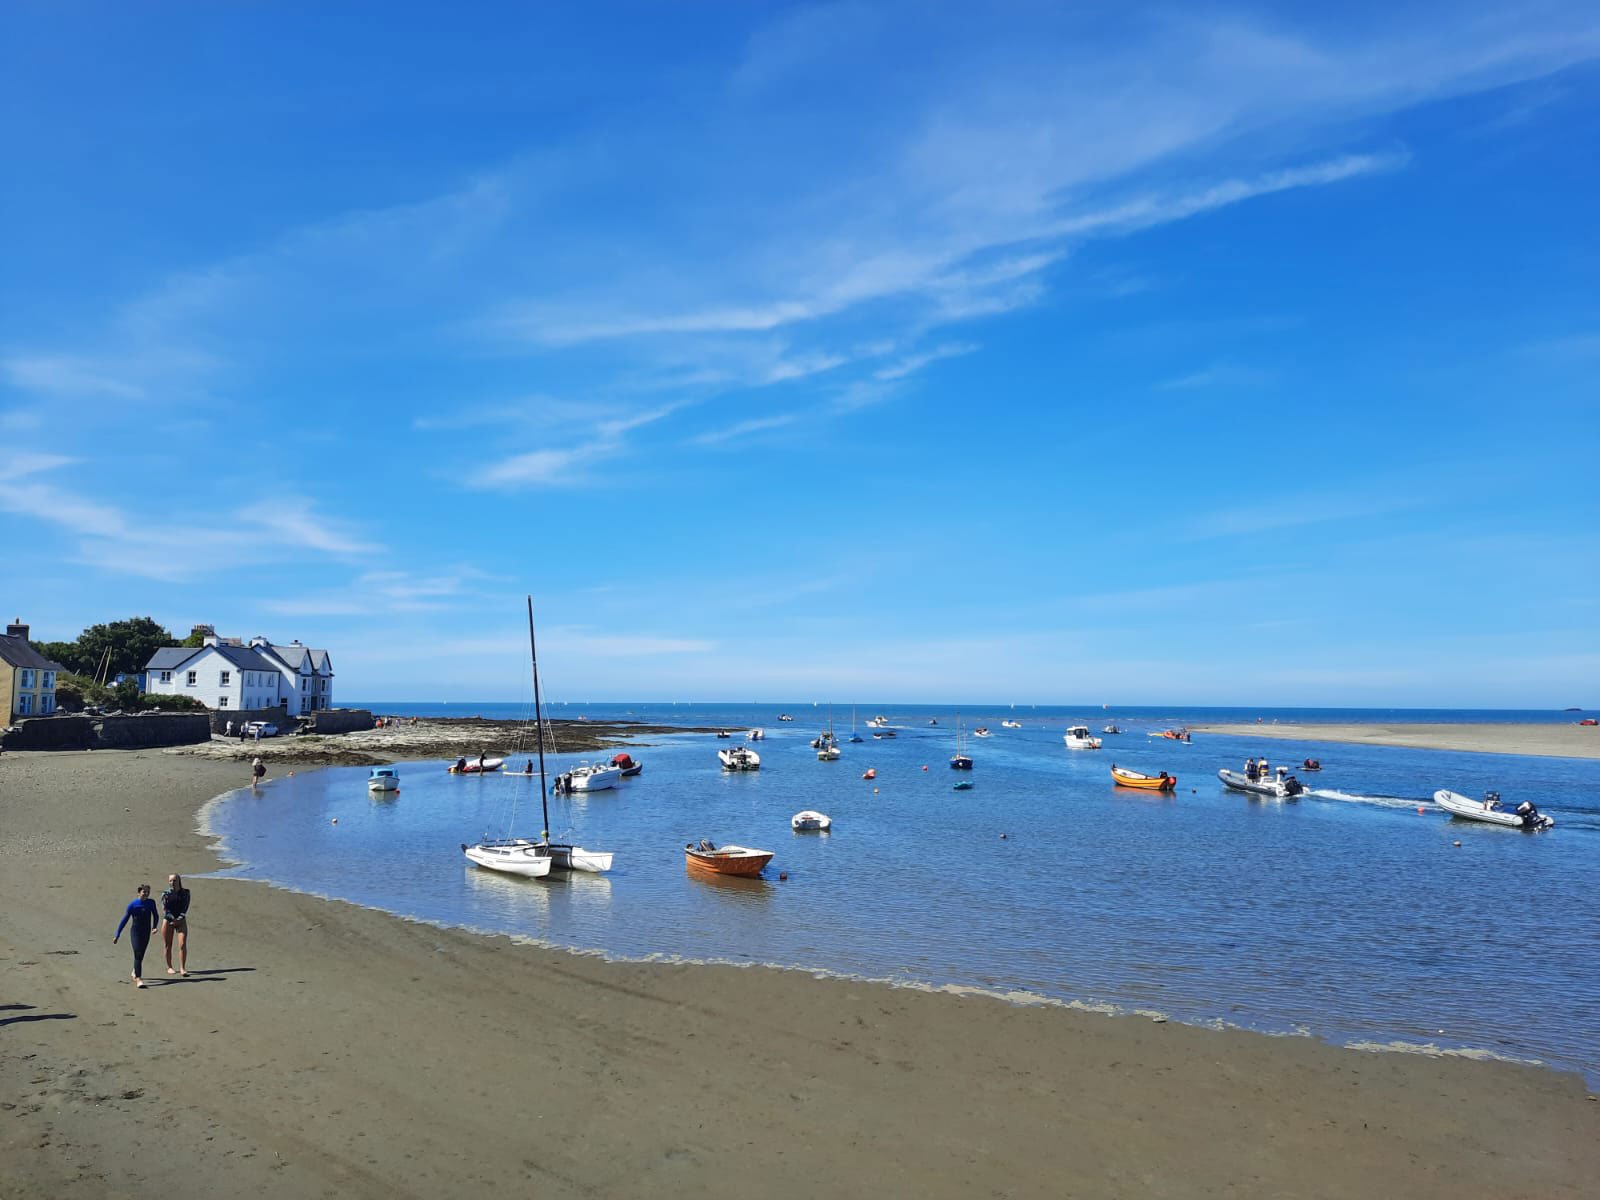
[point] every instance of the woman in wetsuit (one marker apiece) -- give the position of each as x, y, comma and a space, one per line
141, 913
175, 923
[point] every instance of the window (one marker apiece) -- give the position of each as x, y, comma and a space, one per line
222, 701
166, 677
27, 678
305, 685
194, 677
49, 681
24, 703
224, 678
47, 704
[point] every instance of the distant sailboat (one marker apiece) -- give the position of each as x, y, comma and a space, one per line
854, 736
959, 760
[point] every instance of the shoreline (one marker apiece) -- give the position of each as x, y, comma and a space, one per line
1534, 740
338, 1048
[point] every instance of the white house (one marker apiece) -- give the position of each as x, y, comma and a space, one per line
223, 673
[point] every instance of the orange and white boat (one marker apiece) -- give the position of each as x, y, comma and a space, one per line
726, 860
1163, 782
870, 773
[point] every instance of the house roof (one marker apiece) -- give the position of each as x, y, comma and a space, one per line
298, 656
169, 657
18, 653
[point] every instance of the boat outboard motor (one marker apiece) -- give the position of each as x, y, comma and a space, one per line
1293, 786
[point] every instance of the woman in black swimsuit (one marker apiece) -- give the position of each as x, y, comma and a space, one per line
175, 923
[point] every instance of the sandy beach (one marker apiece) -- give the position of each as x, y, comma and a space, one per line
1544, 741
320, 1049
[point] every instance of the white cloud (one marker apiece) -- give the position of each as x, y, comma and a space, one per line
913, 363
743, 429
68, 375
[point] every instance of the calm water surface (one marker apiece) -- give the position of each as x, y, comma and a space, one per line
1346, 914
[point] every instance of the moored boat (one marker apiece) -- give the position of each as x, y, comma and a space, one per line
870, 773
756, 735
1123, 777
981, 731
513, 856
739, 758
1009, 724
1079, 738
383, 779
728, 860
1176, 735
810, 821
1111, 728
625, 763
476, 766
590, 777
963, 785
1488, 810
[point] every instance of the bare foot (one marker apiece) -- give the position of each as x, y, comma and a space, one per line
138, 983
174, 971
185, 974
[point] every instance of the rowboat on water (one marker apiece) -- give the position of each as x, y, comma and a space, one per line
807, 821
728, 860
1123, 777
1488, 811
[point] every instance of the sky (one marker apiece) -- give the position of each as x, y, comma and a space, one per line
1015, 353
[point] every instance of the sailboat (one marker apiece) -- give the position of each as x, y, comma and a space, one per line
854, 736
827, 745
959, 760
523, 856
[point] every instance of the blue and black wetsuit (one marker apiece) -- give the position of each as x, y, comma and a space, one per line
175, 904
144, 920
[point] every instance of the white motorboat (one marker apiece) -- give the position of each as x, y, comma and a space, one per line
383, 779
879, 722
739, 758
1008, 724
809, 821
1280, 786
1079, 738
756, 735
1112, 728
590, 777
1488, 810
514, 856
829, 752
981, 731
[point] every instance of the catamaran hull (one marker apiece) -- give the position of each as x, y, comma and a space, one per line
576, 858
527, 859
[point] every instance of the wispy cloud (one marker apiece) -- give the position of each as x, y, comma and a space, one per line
913, 363
64, 375
376, 592
743, 429
1217, 375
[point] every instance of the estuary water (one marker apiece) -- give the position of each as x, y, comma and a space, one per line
1346, 915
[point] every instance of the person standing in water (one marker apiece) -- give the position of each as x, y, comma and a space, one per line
142, 919
257, 770
175, 923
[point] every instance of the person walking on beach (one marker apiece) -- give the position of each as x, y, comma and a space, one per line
227, 730
258, 769
175, 923
142, 918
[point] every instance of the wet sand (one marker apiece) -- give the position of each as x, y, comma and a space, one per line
319, 1049
1544, 741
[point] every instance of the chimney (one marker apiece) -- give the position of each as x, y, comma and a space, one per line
17, 629
209, 639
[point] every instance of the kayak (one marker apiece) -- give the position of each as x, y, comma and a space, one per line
1458, 805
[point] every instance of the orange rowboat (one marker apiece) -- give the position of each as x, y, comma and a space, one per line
1163, 782
729, 860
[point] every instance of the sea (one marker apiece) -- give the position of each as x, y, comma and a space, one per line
1359, 913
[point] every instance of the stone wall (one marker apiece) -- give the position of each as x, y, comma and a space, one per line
278, 716
133, 732
339, 720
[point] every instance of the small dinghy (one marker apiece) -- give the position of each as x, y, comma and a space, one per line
1123, 777
383, 779
1488, 811
476, 766
1282, 786
1311, 764
808, 821
964, 786
728, 860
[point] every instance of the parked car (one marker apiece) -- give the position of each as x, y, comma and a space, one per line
260, 729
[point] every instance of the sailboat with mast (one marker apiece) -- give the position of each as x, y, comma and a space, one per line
827, 745
524, 856
959, 761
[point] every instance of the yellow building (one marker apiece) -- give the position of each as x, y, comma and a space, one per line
27, 678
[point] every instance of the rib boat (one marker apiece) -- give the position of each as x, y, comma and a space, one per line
1489, 812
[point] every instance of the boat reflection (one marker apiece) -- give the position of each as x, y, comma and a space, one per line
747, 888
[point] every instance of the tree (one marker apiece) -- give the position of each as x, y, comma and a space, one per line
64, 653
130, 642
197, 636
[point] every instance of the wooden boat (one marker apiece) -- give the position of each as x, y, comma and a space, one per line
728, 860
808, 821
1489, 812
1123, 777
383, 779
525, 856
628, 766
476, 766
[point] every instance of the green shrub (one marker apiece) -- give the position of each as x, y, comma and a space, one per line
171, 703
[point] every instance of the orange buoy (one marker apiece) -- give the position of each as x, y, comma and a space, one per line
870, 773
1420, 809
924, 768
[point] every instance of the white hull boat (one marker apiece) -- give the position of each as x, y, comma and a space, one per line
1458, 805
828, 753
589, 778
1010, 724
512, 856
384, 779
576, 858
1282, 787
1079, 738
740, 758
809, 821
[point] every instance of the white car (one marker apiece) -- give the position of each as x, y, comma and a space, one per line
260, 729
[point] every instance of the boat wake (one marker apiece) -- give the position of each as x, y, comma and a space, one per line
1380, 801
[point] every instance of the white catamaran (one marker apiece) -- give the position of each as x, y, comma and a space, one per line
524, 856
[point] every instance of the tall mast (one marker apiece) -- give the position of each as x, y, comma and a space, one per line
538, 721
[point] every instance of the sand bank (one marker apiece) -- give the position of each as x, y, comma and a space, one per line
1545, 741
320, 1049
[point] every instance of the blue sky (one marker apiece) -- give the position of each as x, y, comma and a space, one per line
1024, 354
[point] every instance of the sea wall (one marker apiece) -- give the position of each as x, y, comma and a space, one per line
221, 718
340, 720
133, 732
